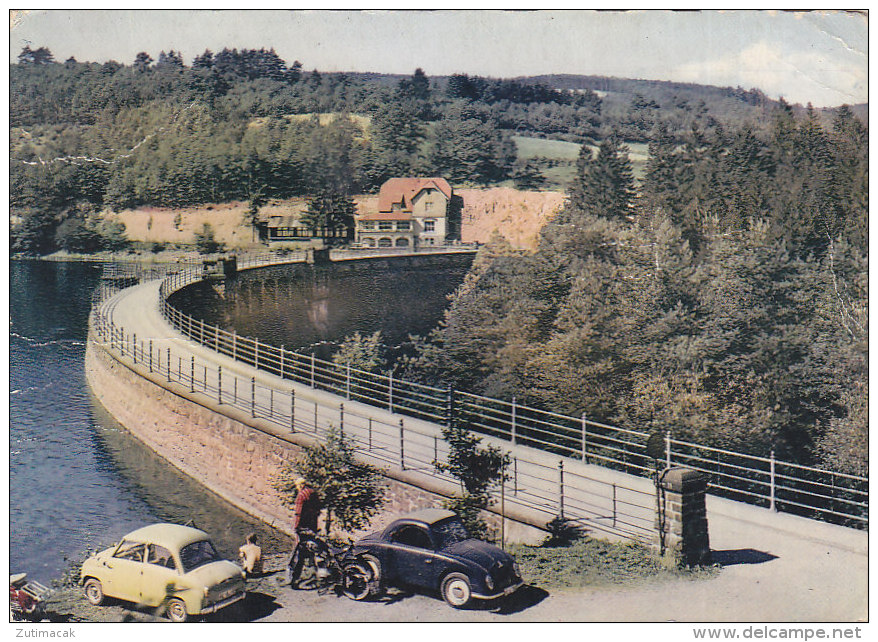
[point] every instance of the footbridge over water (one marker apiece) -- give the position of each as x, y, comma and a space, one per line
592, 474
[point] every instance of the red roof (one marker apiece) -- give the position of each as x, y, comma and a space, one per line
403, 190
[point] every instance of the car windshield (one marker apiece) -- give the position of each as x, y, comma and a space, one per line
449, 532
198, 554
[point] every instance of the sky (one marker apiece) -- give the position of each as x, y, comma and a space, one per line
817, 57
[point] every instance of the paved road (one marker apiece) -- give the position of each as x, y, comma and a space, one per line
777, 567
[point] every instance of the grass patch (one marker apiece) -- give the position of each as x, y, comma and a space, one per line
529, 147
591, 562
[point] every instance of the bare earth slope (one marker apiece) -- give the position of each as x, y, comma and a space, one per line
516, 215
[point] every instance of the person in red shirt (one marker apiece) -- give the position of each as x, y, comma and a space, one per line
307, 510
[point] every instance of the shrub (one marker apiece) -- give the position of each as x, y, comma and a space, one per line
205, 241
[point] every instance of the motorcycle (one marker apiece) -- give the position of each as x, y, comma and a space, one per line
25, 598
329, 568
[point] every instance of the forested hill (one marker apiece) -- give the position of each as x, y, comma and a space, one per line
718, 288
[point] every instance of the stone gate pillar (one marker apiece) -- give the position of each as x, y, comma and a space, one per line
681, 516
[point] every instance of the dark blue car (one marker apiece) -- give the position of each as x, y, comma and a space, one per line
430, 550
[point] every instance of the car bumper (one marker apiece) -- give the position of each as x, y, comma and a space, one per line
213, 608
507, 591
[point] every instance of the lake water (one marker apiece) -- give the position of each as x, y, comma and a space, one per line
78, 480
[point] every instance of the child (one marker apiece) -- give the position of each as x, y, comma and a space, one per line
250, 556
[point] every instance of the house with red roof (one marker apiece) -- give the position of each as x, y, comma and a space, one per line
411, 212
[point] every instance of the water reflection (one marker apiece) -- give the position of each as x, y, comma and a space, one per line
299, 306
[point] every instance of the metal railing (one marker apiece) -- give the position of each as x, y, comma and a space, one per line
614, 508
764, 481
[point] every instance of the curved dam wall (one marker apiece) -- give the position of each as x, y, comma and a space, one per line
235, 455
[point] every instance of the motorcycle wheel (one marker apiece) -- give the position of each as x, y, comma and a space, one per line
356, 581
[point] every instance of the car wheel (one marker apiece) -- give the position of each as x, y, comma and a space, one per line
176, 610
356, 580
94, 592
376, 584
456, 590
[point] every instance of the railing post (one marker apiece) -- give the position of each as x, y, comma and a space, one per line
512, 422
192, 374
515, 475
256, 353
348, 381
292, 410
312, 369
252, 396
771, 501
614, 505
150, 355
169, 365
315, 416
401, 445
134, 346
234, 345
390, 390
449, 406
584, 438
204, 380
219, 385
281, 361
341, 419
668, 448
271, 402
561, 488
435, 449
370, 433
235, 391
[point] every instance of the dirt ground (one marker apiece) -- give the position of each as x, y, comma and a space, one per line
516, 215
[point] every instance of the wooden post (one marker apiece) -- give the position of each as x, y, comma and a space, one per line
150, 355
253, 396
219, 385
169, 365
192, 374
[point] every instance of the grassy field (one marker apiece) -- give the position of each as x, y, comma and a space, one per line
562, 157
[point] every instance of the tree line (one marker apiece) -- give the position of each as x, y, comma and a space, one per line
723, 298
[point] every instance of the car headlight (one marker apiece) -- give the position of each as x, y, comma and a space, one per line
489, 582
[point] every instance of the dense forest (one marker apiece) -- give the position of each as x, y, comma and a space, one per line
722, 295
245, 125
723, 298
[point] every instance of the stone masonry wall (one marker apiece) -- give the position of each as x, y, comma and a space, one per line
233, 459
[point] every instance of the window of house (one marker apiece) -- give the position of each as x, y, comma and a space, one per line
402, 242
367, 225
385, 225
428, 205
403, 225
385, 242
429, 226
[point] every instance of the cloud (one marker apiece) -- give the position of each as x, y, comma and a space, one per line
821, 77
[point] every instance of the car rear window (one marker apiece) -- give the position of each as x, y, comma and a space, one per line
450, 532
198, 554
